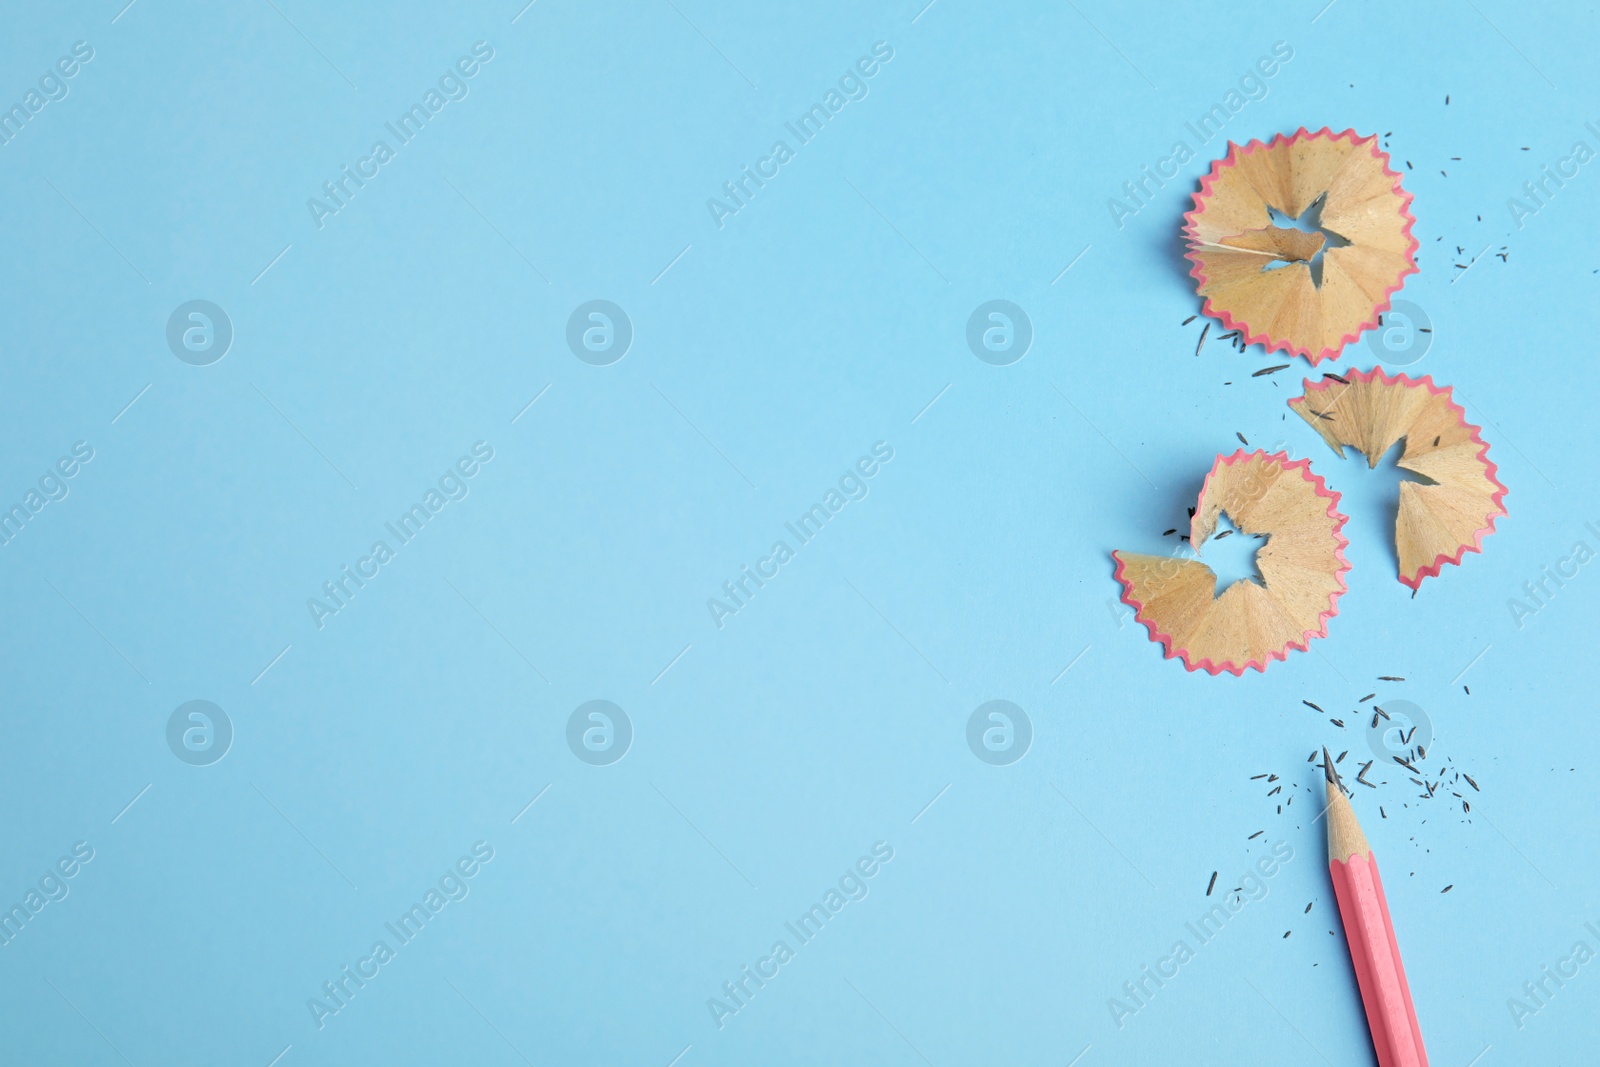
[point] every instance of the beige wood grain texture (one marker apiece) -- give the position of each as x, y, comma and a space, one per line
1230, 236
1345, 837
1300, 565
1461, 497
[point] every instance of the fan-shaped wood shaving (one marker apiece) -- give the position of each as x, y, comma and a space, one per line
1302, 568
1232, 240
1437, 523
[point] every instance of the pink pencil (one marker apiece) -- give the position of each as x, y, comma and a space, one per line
1370, 934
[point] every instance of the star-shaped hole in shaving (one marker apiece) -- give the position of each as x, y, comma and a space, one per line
1302, 240
1231, 554
1301, 564
1453, 507
1299, 243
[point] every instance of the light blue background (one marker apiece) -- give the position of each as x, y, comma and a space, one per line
767, 357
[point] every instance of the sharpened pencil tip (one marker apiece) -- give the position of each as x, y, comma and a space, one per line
1327, 767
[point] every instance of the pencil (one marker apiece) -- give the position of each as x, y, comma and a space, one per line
1396, 1037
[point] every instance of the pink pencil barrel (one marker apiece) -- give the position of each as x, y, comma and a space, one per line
1376, 956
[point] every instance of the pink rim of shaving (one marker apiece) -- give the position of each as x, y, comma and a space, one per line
1202, 200
1490, 469
1237, 669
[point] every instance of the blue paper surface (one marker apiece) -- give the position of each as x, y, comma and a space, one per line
644, 410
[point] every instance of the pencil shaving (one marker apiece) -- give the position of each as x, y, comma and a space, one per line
1293, 289
1450, 514
1302, 567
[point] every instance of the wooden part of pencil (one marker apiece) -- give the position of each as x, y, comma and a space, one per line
1345, 838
